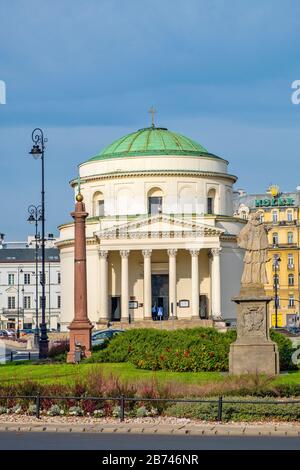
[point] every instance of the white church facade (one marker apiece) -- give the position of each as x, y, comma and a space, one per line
161, 236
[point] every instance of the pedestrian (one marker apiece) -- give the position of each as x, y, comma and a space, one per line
154, 312
160, 313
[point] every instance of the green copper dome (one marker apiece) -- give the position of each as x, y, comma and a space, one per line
151, 141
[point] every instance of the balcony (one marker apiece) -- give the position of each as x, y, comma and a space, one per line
290, 266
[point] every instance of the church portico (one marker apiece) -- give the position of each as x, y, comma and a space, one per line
175, 279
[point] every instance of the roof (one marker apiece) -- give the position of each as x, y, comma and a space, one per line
151, 141
27, 255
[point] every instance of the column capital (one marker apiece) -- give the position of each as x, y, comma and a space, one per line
147, 253
124, 253
103, 253
215, 251
172, 252
194, 251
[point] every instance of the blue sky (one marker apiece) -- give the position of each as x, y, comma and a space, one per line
218, 71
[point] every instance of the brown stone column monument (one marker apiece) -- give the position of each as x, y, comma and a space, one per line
80, 328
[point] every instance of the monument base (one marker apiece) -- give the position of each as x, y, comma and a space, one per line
254, 359
253, 351
80, 340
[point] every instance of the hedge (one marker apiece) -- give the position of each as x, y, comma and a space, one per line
182, 350
264, 411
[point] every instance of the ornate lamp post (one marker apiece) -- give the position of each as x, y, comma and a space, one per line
38, 151
35, 216
20, 270
276, 267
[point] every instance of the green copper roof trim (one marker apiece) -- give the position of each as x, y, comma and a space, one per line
151, 141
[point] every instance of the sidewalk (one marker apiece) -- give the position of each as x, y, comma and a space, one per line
232, 429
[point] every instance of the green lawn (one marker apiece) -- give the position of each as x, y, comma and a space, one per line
68, 373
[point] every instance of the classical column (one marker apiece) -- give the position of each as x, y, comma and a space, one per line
80, 328
172, 282
195, 283
124, 285
215, 283
103, 259
147, 284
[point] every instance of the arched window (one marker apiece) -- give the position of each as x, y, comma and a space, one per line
211, 201
98, 204
291, 280
155, 201
275, 238
243, 215
290, 237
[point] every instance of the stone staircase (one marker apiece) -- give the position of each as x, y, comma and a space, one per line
164, 325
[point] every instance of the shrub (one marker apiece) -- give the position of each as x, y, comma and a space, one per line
31, 410
55, 410
285, 348
98, 414
3, 410
75, 411
182, 350
58, 351
236, 411
141, 412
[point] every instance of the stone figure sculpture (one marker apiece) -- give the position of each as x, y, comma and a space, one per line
253, 352
253, 237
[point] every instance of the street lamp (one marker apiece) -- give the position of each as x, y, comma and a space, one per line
38, 151
276, 266
20, 270
35, 216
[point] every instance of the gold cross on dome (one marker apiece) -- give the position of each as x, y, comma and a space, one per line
152, 111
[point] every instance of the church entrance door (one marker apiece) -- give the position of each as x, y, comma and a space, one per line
160, 296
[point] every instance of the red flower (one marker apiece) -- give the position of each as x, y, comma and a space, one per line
186, 353
212, 354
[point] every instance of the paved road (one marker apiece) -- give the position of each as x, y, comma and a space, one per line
84, 441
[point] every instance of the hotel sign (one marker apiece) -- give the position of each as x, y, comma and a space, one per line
275, 202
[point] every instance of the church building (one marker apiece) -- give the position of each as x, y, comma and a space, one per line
161, 235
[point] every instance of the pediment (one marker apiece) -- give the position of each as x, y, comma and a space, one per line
161, 226
11, 290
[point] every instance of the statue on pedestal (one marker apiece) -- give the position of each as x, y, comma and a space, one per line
253, 351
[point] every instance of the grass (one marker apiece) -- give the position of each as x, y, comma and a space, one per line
70, 373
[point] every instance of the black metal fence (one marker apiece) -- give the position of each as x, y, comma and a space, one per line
13, 355
122, 400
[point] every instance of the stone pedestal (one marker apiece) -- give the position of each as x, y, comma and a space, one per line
253, 351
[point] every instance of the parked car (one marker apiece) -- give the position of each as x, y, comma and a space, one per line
27, 331
99, 337
11, 333
3, 334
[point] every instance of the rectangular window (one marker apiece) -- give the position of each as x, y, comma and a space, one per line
154, 205
210, 205
11, 303
11, 279
290, 216
291, 301
27, 278
275, 216
290, 260
101, 208
58, 278
290, 237
27, 302
275, 238
58, 301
